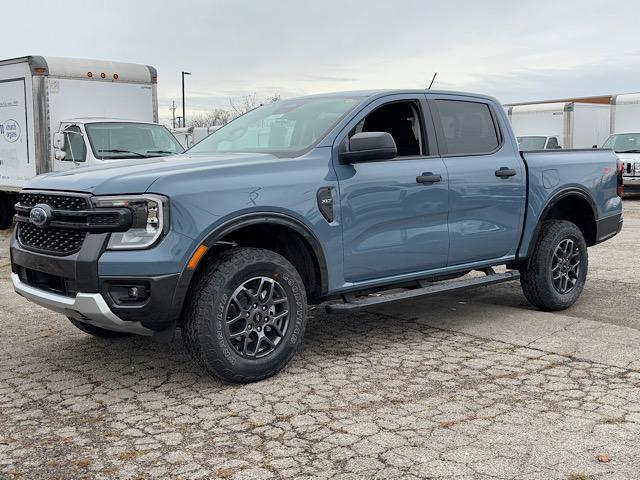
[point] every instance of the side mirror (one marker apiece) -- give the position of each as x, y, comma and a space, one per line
370, 146
58, 140
60, 154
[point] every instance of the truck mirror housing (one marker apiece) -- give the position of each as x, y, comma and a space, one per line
60, 154
58, 140
370, 146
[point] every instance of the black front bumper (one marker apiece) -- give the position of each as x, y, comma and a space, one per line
78, 273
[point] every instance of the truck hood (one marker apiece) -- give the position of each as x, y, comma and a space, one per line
136, 176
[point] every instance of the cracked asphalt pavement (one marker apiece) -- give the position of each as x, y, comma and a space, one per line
475, 385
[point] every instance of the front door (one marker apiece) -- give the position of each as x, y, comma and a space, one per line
486, 181
394, 212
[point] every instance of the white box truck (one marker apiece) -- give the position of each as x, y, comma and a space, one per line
560, 125
58, 113
625, 137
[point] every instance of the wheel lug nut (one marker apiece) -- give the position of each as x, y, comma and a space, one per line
259, 329
264, 308
255, 305
248, 314
249, 327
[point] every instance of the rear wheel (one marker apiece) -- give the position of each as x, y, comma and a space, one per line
97, 331
246, 315
557, 271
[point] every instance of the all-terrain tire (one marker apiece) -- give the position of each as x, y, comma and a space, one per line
206, 330
97, 331
537, 278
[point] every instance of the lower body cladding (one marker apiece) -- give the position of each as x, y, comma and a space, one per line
72, 286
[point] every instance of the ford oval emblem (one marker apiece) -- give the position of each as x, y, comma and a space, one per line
40, 215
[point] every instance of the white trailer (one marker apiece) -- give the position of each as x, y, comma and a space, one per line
40, 96
560, 124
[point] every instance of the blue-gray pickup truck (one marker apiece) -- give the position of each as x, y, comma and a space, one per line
354, 199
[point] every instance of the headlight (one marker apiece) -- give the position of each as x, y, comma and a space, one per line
148, 214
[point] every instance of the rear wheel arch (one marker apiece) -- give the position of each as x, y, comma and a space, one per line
573, 205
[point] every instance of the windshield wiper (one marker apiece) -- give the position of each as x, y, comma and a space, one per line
161, 151
116, 150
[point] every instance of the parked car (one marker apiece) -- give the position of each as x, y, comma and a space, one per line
321, 198
46, 105
560, 124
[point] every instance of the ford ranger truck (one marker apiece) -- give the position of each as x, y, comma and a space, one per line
326, 198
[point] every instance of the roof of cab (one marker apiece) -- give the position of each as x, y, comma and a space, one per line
85, 120
386, 92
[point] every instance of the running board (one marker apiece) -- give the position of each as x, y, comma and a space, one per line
353, 303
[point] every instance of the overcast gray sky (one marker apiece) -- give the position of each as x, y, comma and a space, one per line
512, 50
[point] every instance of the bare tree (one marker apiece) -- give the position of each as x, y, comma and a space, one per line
244, 104
247, 103
216, 116
222, 116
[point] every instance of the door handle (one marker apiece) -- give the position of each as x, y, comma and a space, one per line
429, 177
505, 172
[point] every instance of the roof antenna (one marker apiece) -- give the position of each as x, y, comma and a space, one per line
432, 80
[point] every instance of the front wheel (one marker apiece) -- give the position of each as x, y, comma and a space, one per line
246, 315
557, 271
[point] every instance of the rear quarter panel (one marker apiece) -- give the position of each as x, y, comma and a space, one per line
551, 174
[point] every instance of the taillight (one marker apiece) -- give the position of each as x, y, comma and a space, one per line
620, 168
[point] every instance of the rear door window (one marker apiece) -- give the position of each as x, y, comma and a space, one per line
468, 127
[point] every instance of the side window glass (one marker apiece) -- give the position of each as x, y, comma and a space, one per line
402, 121
74, 146
468, 127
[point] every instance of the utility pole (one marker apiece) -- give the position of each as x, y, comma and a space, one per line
173, 112
184, 123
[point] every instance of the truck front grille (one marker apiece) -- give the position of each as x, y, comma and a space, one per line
69, 218
58, 241
60, 202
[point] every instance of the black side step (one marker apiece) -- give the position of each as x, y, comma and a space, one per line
353, 303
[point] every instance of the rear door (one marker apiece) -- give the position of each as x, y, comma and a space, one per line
486, 179
394, 221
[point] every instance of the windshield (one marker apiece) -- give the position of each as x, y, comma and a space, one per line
114, 140
624, 142
286, 128
531, 143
